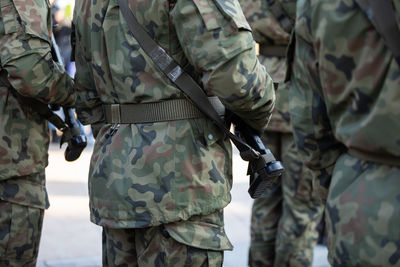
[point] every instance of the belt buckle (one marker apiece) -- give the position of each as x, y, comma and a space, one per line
115, 113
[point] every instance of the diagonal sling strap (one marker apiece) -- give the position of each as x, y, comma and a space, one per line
382, 16
181, 79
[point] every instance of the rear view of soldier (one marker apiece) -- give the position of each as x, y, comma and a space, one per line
27, 69
160, 173
346, 120
283, 221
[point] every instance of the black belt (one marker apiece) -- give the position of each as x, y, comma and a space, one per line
273, 50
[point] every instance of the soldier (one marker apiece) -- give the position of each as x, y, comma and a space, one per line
27, 69
283, 221
158, 189
346, 121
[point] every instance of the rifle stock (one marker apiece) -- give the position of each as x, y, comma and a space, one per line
264, 171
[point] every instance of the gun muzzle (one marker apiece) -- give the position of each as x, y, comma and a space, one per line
264, 176
264, 170
76, 141
75, 147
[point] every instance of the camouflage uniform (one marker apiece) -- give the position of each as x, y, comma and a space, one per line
345, 102
27, 65
170, 179
283, 222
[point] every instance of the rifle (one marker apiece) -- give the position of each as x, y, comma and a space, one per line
71, 133
264, 170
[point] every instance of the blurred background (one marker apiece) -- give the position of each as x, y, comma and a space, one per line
68, 237
62, 15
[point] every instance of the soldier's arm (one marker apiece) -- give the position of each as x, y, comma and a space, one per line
221, 47
312, 131
263, 23
26, 55
88, 104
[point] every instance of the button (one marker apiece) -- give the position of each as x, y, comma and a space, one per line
210, 136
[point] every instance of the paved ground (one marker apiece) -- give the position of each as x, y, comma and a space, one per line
70, 240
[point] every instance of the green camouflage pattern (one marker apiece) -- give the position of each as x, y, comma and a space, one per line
280, 119
344, 96
28, 67
157, 173
268, 31
27, 190
302, 212
258, 14
362, 214
176, 244
20, 231
284, 221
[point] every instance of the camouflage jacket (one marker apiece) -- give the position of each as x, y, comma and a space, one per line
267, 30
153, 173
28, 67
345, 85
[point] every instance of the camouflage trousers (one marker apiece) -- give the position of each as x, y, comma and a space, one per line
20, 231
363, 214
284, 221
175, 244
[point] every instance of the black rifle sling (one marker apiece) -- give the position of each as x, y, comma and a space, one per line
382, 16
180, 78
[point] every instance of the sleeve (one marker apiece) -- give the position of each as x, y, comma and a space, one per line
263, 23
25, 53
312, 132
217, 41
88, 104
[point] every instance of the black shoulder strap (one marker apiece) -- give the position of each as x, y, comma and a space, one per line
180, 78
382, 16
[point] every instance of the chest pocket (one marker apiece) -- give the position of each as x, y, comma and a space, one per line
219, 13
9, 17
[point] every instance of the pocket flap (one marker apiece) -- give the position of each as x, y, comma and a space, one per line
35, 17
233, 11
204, 232
208, 12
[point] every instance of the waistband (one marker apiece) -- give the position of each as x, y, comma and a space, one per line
272, 50
167, 110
